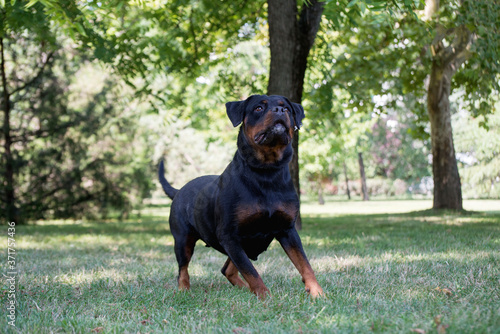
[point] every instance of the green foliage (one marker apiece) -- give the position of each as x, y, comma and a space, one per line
239, 73
144, 38
77, 148
15, 16
355, 78
377, 65
188, 152
376, 62
479, 154
351, 12
392, 155
480, 77
396, 53
395, 153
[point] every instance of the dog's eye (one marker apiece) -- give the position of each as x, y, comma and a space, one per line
259, 108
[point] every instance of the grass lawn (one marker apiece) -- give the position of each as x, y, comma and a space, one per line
385, 267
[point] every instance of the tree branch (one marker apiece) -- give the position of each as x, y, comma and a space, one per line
43, 133
67, 180
193, 33
459, 50
310, 19
36, 77
441, 33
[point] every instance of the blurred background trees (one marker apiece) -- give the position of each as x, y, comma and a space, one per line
72, 143
94, 93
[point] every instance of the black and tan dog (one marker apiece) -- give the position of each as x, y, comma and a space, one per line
251, 203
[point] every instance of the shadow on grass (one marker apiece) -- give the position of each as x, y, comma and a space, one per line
115, 227
116, 244
420, 232
84, 248
348, 232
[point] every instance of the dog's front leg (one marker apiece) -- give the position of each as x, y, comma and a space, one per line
246, 268
290, 241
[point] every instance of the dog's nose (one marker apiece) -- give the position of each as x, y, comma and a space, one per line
279, 110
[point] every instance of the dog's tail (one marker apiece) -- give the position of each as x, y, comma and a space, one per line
167, 188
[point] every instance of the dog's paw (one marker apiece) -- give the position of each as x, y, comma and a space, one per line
315, 290
262, 292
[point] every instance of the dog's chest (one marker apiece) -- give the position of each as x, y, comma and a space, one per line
256, 218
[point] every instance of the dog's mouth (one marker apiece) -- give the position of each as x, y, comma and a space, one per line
275, 134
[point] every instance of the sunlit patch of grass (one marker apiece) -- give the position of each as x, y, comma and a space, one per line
313, 209
381, 273
364, 207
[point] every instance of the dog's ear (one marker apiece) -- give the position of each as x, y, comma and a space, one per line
298, 113
235, 111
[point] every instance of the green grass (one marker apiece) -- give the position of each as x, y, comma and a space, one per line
385, 273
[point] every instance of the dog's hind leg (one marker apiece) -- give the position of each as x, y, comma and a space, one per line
231, 272
184, 248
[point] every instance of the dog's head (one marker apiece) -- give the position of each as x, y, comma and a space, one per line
268, 125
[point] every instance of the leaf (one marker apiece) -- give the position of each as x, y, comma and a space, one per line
351, 3
362, 7
440, 327
31, 3
80, 29
2, 3
417, 330
46, 3
446, 291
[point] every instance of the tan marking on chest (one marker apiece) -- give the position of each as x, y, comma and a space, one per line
247, 213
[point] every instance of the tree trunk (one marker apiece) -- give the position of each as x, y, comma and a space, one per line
364, 189
9, 161
321, 199
445, 62
282, 40
447, 187
347, 182
290, 42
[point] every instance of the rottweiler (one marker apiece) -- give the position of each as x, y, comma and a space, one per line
253, 202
